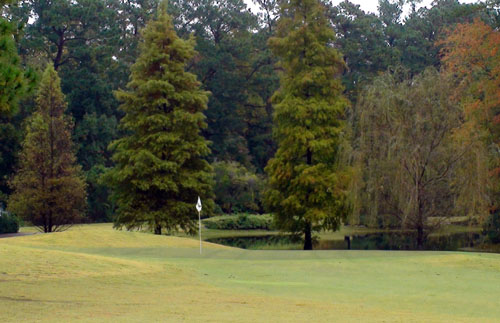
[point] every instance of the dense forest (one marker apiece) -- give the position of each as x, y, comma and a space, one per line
416, 101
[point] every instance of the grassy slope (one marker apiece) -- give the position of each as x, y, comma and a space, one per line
95, 273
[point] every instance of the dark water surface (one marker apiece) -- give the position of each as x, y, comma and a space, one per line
373, 241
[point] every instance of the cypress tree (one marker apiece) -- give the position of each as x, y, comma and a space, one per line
49, 189
159, 167
307, 181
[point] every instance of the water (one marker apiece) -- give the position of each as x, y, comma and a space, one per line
373, 241
257, 242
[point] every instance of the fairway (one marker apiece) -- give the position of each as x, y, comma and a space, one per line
94, 273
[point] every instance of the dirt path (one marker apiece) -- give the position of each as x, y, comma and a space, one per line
19, 234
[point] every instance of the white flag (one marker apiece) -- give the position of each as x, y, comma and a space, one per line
198, 205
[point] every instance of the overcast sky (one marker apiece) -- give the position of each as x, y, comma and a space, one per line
368, 5
371, 5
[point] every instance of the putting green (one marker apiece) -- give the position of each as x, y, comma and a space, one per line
94, 273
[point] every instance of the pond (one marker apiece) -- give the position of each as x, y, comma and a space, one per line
373, 241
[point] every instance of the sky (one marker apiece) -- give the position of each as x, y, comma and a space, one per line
367, 5
371, 5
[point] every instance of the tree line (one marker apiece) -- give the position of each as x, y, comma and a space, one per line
379, 119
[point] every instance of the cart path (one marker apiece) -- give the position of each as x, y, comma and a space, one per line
18, 234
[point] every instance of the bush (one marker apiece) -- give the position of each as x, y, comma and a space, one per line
240, 222
236, 188
8, 223
491, 228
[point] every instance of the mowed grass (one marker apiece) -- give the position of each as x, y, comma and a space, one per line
94, 273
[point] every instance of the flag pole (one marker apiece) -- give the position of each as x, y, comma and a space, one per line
199, 227
198, 208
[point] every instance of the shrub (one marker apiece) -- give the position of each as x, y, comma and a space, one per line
240, 222
491, 228
8, 223
236, 188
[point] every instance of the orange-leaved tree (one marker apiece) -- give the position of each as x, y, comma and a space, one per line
471, 52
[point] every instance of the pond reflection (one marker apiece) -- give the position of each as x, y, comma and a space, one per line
373, 241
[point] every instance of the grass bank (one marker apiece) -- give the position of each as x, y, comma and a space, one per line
94, 273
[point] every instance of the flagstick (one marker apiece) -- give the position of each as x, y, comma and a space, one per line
199, 224
198, 208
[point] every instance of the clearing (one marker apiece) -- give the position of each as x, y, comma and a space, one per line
94, 273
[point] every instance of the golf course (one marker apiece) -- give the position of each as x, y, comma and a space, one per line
95, 273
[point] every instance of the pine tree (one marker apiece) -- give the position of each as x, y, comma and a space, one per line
13, 80
306, 176
49, 189
14, 84
11, 76
160, 170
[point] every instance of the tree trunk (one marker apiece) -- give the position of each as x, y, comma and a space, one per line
420, 238
49, 225
308, 237
60, 49
420, 223
158, 229
307, 230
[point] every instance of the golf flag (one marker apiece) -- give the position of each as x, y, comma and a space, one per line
198, 205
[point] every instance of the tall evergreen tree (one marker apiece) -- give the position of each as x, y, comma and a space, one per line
160, 170
361, 37
82, 39
13, 84
229, 65
13, 80
49, 189
306, 176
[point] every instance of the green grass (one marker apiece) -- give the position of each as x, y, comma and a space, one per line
94, 273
